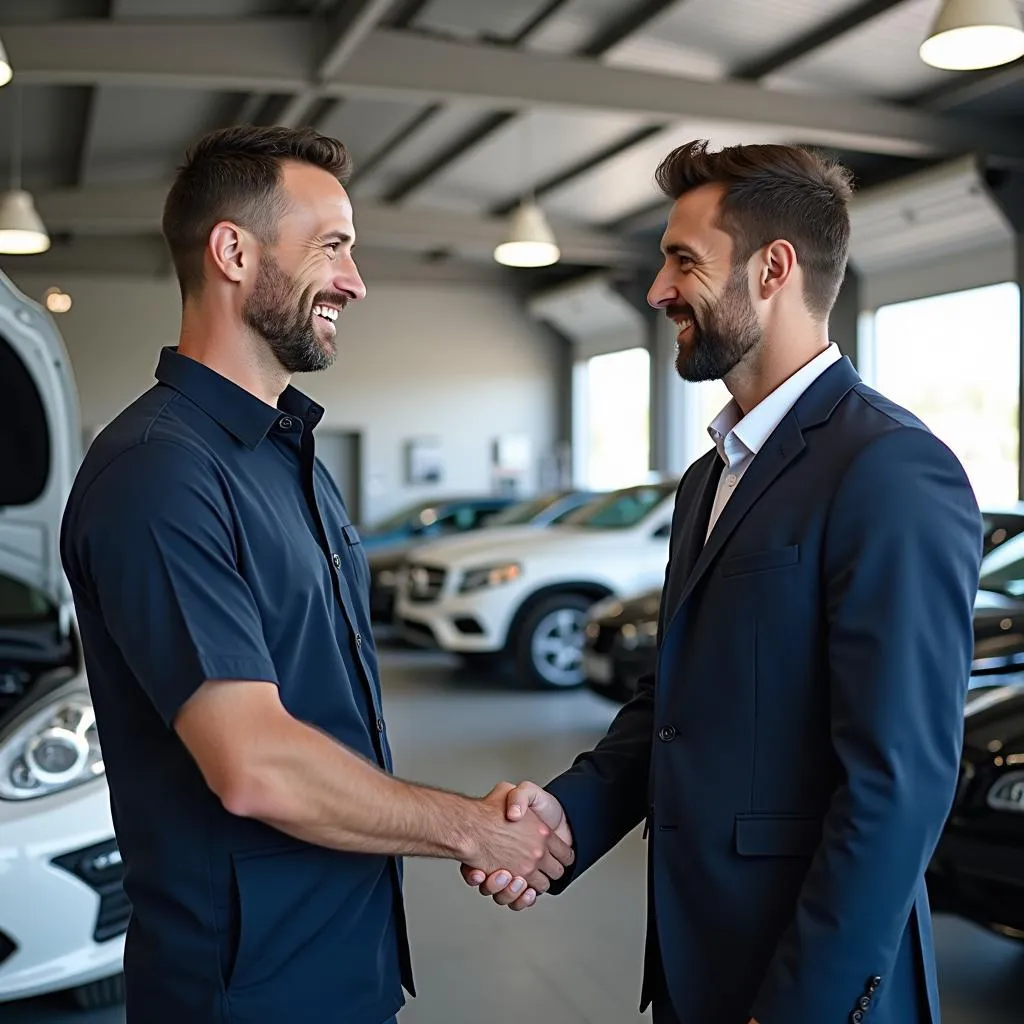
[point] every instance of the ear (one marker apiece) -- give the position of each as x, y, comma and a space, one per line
778, 263
231, 250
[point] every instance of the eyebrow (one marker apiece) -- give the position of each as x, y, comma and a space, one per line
678, 249
337, 236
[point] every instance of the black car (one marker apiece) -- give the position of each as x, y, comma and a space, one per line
620, 644
1002, 524
978, 869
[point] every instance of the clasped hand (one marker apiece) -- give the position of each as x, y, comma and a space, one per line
504, 880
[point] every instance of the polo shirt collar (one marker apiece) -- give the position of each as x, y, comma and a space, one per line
240, 413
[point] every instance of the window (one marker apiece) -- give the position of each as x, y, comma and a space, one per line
622, 509
954, 360
22, 605
618, 430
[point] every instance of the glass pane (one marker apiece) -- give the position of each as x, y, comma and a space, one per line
21, 604
954, 360
622, 509
619, 417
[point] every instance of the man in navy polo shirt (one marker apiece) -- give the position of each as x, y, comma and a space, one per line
223, 600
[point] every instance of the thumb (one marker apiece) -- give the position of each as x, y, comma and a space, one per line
528, 796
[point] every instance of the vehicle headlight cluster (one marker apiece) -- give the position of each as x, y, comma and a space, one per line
490, 576
1007, 794
53, 747
639, 634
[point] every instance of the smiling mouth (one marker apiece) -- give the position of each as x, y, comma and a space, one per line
684, 325
328, 313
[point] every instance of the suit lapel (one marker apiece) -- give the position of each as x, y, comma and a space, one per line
696, 525
787, 441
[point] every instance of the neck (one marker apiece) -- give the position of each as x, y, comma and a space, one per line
227, 347
773, 362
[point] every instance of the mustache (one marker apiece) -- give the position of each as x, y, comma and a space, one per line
675, 312
330, 298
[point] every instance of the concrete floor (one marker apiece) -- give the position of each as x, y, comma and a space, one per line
575, 960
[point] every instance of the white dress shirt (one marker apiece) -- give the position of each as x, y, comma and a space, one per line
739, 438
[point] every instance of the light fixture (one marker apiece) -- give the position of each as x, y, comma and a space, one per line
21, 228
972, 34
531, 242
57, 301
6, 71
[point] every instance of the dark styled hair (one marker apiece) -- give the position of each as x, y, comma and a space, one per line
235, 174
774, 192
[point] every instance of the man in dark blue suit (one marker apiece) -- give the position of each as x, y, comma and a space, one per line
796, 753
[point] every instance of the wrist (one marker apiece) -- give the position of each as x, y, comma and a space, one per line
460, 828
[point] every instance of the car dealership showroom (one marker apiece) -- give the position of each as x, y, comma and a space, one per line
507, 428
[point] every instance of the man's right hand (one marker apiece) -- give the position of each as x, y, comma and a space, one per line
518, 843
504, 886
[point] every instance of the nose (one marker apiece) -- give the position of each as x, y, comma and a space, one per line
349, 281
662, 292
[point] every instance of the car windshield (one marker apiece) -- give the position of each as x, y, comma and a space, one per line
621, 509
22, 605
1002, 570
522, 511
410, 515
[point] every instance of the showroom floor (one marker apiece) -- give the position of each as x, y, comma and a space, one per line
571, 961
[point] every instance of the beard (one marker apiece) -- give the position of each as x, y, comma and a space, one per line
728, 329
278, 312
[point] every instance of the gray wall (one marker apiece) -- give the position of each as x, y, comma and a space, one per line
461, 362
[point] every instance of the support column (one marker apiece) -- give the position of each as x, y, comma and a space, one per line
1006, 188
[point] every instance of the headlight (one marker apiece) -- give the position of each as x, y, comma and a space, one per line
1008, 793
639, 634
52, 748
491, 576
387, 578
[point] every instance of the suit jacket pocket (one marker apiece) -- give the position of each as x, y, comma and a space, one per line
777, 835
759, 561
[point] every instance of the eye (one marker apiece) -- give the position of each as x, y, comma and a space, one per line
332, 248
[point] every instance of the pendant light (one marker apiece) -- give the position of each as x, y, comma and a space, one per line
530, 242
972, 34
21, 229
6, 71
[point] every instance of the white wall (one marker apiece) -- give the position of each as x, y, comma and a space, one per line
462, 362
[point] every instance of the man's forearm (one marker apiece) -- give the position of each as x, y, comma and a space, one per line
306, 784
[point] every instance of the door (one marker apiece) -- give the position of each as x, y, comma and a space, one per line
341, 453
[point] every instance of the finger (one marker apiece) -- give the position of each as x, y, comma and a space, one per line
495, 883
539, 882
551, 867
560, 850
542, 803
519, 800
473, 876
501, 789
508, 896
525, 901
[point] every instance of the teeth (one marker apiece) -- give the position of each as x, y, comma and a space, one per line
327, 312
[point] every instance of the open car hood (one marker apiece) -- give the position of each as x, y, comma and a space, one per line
40, 442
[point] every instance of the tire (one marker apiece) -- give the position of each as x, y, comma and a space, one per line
100, 994
549, 642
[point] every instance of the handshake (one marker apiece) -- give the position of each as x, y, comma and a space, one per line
522, 845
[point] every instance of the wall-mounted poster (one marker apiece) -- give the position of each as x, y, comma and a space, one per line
423, 461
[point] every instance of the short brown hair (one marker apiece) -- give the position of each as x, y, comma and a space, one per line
235, 174
775, 192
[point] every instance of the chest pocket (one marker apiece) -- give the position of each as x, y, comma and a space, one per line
761, 561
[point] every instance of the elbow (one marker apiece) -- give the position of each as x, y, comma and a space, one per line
245, 794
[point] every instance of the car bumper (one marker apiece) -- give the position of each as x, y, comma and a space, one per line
979, 879
48, 913
475, 623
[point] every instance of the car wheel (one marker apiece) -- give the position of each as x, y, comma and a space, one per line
98, 995
549, 649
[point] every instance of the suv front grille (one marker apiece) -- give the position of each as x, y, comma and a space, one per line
425, 583
101, 869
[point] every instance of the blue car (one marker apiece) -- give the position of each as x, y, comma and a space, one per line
429, 519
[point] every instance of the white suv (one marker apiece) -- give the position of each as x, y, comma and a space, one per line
63, 912
526, 595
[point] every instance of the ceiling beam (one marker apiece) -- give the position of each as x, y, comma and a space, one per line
971, 86
814, 39
136, 210
274, 55
353, 22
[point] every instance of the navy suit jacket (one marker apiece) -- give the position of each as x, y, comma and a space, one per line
797, 751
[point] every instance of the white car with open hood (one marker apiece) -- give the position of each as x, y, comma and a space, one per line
63, 913
525, 594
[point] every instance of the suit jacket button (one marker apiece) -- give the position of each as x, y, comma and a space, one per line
873, 983
667, 733
864, 1003
856, 1017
